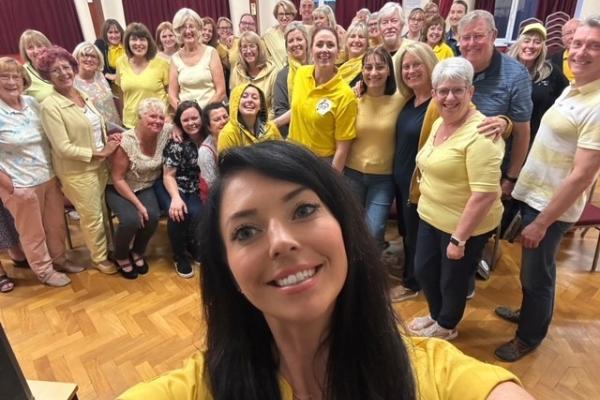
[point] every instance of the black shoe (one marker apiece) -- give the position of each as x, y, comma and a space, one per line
513, 350
508, 314
183, 267
20, 263
141, 269
132, 274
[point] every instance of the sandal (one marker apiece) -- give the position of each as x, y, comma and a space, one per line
131, 274
141, 269
6, 284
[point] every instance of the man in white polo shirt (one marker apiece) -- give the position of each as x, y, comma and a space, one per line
564, 161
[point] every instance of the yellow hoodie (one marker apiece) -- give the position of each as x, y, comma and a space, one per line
236, 134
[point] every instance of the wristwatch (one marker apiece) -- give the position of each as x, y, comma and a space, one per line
457, 242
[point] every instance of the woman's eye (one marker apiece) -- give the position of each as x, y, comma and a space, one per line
243, 233
306, 210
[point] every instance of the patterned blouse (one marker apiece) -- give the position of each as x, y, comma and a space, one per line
100, 94
143, 170
184, 157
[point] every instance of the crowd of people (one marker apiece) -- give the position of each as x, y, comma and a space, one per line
424, 111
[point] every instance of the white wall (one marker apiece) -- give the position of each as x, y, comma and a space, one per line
85, 20
113, 9
237, 8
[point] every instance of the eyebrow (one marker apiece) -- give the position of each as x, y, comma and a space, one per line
252, 211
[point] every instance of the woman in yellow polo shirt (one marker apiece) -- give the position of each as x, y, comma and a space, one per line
248, 121
460, 203
140, 74
288, 275
324, 107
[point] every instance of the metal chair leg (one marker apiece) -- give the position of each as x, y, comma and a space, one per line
69, 240
596, 253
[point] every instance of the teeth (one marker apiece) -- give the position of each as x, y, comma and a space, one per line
296, 278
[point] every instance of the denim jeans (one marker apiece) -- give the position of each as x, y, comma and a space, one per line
445, 281
182, 235
375, 193
538, 280
408, 225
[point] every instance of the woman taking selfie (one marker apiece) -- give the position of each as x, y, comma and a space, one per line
299, 271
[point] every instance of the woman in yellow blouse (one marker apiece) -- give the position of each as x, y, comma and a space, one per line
460, 203
433, 33
284, 12
79, 146
140, 74
255, 67
284, 253
31, 44
248, 121
323, 113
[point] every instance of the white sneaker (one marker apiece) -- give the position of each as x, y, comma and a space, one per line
436, 331
420, 323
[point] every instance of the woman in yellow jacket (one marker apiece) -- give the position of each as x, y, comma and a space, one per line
79, 146
248, 120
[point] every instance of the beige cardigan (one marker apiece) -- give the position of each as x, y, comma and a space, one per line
70, 134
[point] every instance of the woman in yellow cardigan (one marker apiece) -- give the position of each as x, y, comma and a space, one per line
79, 146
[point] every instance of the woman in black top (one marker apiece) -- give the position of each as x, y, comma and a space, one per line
111, 46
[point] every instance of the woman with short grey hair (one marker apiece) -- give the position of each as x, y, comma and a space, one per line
459, 206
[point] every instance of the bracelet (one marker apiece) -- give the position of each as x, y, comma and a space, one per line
509, 178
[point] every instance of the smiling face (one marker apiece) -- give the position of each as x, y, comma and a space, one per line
375, 72
250, 102
32, 51
224, 29
247, 23
191, 121
190, 32
390, 27
320, 20
357, 44
167, 38
530, 48
249, 51
297, 46
113, 35
152, 121
88, 63
325, 49
457, 11
373, 29
11, 85
415, 23
284, 247
306, 10
61, 75
453, 98
138, 46
284, 17
584, 55
435, 34
414, 72
217, 119
207, 33
477, 44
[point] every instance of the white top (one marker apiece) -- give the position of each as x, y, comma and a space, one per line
196, 81
96, 122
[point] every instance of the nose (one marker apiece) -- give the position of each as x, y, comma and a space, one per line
281, 240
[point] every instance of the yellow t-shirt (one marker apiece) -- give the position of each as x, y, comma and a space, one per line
151, 82
372, 151
442, 372
443, 51
467, 162
323, 114
39, 88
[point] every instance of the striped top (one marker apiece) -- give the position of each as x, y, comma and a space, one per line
572, 122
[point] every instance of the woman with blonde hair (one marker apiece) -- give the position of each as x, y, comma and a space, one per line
433, 33
357, 43
31, 43
140, 74
284, 12
196, 73
91, 81
255, 67
416, 18
323, 16
166, 42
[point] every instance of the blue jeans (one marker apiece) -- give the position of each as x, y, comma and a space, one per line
538, 279
375, 193
444, 281
182, 235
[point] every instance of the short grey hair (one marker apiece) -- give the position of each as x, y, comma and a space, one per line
87, 48
390, 8
592, 21
452, 69
476, 15
149, 104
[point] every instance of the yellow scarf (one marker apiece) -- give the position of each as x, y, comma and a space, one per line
350, 69
114, 53
294, 65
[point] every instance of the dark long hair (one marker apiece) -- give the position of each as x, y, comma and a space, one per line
384, 55
184, 105
367, 356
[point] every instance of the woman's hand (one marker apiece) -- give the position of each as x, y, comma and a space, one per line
176, 134
143, 214
177, 210
454, 252
110, 77
492, 127
6, 183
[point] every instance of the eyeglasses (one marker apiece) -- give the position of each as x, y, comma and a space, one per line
416, 19
9, 77
225, 28
477, 37
457, 91
84, 56
287, 14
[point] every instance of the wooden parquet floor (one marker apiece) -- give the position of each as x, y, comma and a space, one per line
106, 334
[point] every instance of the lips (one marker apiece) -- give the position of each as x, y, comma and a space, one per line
295, 276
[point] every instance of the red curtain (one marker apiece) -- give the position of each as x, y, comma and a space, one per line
375, 5
445, 7
345, 10
487, 5
153, 12
546, 8
57, 19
